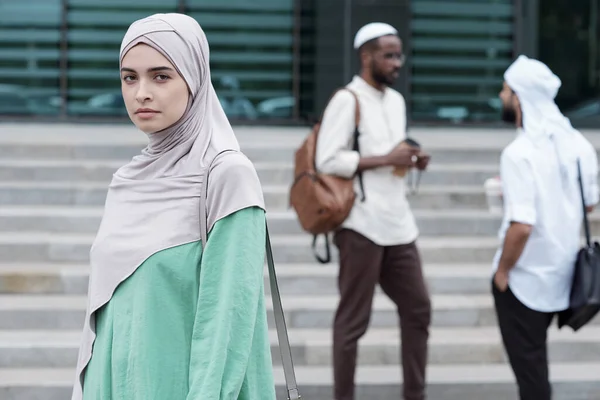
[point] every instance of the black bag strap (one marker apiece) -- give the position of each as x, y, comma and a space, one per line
327, 258
355, 135
586, 222
355, 145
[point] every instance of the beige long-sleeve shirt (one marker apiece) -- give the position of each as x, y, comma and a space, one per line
385, 216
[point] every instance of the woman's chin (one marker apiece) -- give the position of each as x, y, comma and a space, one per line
148, 126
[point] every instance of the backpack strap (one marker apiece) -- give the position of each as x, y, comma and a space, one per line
355, 146
355, 135
327, 258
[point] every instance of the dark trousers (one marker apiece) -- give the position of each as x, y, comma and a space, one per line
524, 334
397, 269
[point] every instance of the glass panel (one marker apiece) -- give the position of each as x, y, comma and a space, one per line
568, 43
96, 28
29, 57
461, 49
251, 44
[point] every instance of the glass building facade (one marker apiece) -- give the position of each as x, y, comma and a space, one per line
277, 61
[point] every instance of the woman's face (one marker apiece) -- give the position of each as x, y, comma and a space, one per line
155, 95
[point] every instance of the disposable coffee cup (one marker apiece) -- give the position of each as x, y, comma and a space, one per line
407, 144
493, 194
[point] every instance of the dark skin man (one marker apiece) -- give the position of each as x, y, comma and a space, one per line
381, 60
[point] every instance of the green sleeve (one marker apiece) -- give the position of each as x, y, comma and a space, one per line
230, 352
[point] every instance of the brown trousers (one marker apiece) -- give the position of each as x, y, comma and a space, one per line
398, 271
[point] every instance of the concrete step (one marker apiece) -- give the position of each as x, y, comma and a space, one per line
293, 279
571, 381
270, 173
257, 152
312, 347
26, 312
102, 170
42, 247
65, 219
68, 220
93, 141
276, 197
276, 147
274, 150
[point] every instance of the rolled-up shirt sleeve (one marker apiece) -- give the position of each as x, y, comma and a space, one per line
334, 154
518, 189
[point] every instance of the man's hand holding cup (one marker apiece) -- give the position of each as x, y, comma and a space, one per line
408, 155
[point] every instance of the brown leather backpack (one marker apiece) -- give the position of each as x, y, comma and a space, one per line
322, 202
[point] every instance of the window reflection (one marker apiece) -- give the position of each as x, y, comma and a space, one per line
251, 54
29, 57
460, 52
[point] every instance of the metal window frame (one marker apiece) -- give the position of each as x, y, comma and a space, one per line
64, 60
525, 28
296, 58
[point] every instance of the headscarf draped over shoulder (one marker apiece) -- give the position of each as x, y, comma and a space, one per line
153, 202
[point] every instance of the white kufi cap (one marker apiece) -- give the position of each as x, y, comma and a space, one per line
372, 31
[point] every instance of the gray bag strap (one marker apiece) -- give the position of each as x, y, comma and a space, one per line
282, 334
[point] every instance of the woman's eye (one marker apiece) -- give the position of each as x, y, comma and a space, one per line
162, 77
129, 78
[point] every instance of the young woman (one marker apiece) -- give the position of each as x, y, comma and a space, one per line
170, 318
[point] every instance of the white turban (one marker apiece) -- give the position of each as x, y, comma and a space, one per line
372, 31
536, 87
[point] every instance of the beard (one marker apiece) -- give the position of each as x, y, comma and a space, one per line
380, 77
509, 115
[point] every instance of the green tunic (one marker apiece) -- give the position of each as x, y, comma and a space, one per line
187, 325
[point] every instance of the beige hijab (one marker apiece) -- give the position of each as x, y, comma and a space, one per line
153, 203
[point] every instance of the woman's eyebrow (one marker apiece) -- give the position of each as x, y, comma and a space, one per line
153, 69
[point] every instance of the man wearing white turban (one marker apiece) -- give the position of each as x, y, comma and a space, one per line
540, 231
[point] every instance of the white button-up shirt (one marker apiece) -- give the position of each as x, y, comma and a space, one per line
385, 216
534, 194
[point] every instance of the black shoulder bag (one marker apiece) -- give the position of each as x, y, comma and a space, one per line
585, 289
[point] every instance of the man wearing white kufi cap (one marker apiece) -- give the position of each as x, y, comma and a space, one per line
540, 231
377, 242
372, 31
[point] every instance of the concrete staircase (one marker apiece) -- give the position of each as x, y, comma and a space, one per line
52, 187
